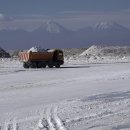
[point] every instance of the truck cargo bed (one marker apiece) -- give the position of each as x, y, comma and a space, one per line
36, 56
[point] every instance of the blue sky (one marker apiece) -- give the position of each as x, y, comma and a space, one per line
73, 14
55, 6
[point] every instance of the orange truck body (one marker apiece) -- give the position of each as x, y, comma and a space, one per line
35, 59
35, 56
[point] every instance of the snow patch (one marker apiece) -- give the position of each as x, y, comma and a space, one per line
102, 54
36, 49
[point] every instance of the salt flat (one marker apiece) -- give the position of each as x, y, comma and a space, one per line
74, 97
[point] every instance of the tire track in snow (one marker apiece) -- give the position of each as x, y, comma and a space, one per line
51, 124
42, 123
46, 122
11, 126
51, 121
58, 121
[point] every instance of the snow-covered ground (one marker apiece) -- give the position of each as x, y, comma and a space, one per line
80, 96
101, 54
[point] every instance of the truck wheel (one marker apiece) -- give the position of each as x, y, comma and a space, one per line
25, 65
50, 65
57, 65
33, 65
41, 65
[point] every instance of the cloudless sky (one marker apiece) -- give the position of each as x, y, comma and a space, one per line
55, 6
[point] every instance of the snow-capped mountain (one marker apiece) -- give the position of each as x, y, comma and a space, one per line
53, 35
49, 35
104, 26
51, 27
108, 26
109, 33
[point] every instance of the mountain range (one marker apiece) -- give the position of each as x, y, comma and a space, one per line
54, 35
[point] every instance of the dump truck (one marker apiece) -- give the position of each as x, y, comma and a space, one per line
51, 58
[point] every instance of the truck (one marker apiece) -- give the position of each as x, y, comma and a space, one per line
51, 58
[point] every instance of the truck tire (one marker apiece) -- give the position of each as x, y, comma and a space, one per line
57, 65
33, 65
41, 65
50, 65
25, 65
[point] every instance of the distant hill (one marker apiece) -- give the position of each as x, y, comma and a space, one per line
100, 54
107, 51
53, 35
4, 54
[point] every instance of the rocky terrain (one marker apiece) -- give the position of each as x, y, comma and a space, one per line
101, 54
4, 54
